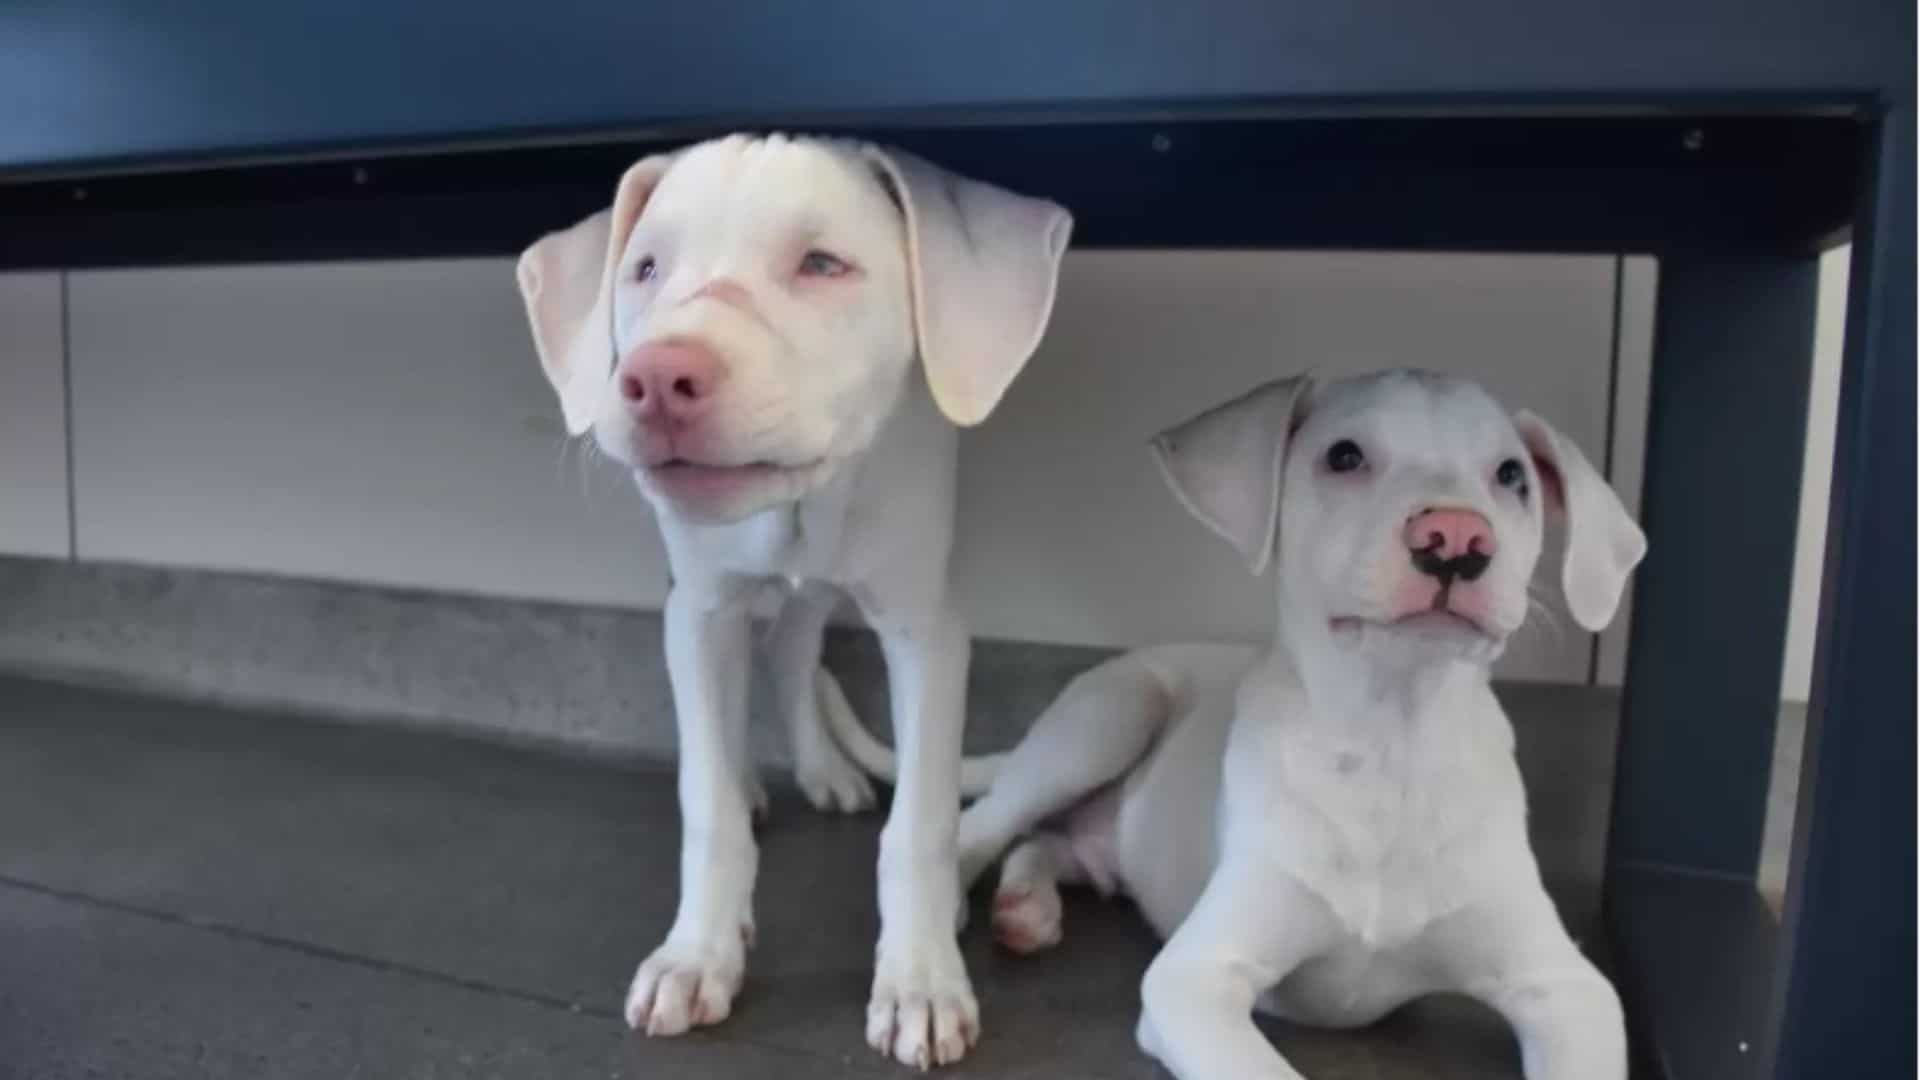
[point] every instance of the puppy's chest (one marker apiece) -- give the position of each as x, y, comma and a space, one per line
803, 540
1394, 832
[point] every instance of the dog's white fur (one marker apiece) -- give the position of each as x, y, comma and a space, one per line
1336, 825
825, 468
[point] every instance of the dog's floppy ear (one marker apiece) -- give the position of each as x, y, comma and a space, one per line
1603, 543
983, 264
1225, 464
566, 281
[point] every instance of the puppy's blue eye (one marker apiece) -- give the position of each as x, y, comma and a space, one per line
644, 270
1511, 474
1345, 456
820, 264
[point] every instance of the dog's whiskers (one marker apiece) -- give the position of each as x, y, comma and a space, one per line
1542, 614
590, 456
589, 453
579, 454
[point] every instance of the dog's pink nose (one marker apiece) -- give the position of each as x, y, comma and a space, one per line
1450, 534
670, 380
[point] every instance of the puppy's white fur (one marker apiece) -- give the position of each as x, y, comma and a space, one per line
1334, 825
824, 467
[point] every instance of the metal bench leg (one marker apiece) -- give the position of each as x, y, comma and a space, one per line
1845, 995
1694, 943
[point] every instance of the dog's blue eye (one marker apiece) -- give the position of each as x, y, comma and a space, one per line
1511, 474
644, 270
821, 264
1345, 456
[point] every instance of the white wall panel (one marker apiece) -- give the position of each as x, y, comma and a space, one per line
33, 433
387, 422
1633, 379
1823, 405
383, 422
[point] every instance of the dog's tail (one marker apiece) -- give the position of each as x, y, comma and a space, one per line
876, 757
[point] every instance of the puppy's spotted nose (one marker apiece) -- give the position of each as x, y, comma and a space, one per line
670, 380
1449, 544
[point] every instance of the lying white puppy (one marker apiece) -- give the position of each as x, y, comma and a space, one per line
741, 329
1336, 826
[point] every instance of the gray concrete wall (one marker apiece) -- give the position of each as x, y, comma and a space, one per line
581, 678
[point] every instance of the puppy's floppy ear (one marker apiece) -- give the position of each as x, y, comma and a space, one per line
1603, 543
566, 282
1225, 464
983, 264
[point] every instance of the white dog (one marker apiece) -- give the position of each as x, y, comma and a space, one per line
1335, 826
741, 329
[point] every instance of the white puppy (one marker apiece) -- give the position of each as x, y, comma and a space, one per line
1334, 826
741, 329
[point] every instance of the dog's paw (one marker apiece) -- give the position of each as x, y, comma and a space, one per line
1026, 917
830, 781
922, 1012
685, 986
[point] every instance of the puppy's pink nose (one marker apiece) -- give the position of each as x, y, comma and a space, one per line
1446, 535
1450, 533
670, 380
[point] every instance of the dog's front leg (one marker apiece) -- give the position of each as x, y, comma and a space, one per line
691, 979
1516, 956
1568, 1022
827, 778
922, 1010
1252, 926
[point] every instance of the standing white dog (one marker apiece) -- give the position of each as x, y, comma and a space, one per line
741, 328
1336, 826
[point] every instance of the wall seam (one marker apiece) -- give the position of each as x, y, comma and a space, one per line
1607, 463
66, 421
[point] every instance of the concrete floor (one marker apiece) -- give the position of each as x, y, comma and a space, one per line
194, 892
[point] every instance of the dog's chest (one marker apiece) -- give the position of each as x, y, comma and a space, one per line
1395, 830
799, 540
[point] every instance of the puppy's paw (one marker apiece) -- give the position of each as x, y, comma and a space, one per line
1026, 917
830, 781
687, 985
922, 1012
